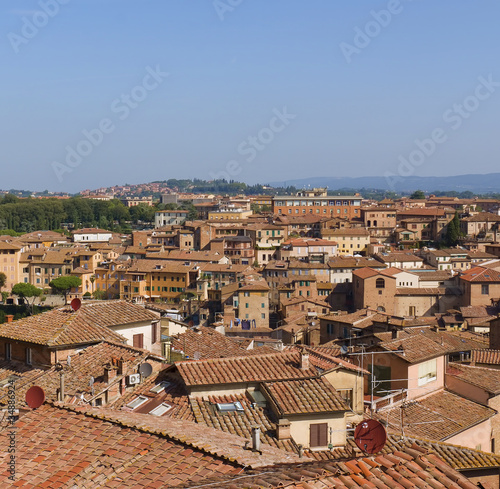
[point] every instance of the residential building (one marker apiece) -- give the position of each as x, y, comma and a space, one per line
317, 201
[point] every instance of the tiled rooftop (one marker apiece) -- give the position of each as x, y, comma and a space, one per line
438, 416
485, 378
85, 365
239, 422
410, 467
60, 327
304, 396
207, 343
256, 368
490, 357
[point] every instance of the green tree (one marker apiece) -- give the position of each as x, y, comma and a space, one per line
63, 285
3, 280
99, 294
453, 231
417, 195
28, 293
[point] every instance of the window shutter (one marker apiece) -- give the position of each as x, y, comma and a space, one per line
139, 340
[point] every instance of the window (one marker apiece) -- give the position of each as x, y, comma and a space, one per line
138, 340
263, 305
154, 332
227, 407
161, 409
346, 395
28, 356
318, 435
427, 372
380, 283
263, 316
161, 386
329, 328
485, 289
137, 402
8, 351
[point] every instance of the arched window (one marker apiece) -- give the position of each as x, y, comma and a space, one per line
380, 283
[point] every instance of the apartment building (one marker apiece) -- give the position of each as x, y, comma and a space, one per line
318, 202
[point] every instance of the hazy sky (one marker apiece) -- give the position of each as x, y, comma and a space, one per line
103, 92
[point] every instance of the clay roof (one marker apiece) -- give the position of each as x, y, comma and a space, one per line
438, 416
108, 449
478, 311
491, 357
256, 368
485, 378
482, 217
480, 274
367, 272
86, 364
207, 343
304, 396
238, 422
403, 467
90, 324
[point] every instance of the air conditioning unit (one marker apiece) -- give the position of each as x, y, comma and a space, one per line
134, 379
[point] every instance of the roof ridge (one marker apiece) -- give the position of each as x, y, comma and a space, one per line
226, 452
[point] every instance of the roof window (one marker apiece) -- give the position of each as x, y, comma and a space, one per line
227, 407
161, 409
137, 402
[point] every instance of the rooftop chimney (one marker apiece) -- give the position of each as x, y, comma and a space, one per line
283, 429
304, 360
9, 317
256, 439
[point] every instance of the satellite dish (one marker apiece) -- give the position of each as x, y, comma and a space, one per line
343, 350
145, 369
76, 304
370, 436
35, 397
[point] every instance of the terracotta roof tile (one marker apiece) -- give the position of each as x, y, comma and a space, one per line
254, 368
438, 416
66, 327
491, 357
303, 396
485, 378
73, 449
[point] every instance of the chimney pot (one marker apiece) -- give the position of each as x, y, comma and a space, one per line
9, 317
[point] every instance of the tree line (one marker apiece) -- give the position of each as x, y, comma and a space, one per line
28, 215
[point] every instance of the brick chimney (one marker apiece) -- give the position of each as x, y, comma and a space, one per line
110, 374
283, 429
123, 366
9, 317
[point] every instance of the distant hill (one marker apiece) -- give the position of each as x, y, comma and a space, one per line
476, 183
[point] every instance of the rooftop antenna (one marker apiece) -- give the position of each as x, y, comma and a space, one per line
370, 436
145, 369
35, 397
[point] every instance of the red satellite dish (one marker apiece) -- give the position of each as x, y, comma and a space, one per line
35, 397
76, 304
370, 436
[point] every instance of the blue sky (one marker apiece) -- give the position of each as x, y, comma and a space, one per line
260, 91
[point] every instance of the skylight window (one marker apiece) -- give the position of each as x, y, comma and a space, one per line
137, 402
164, 385
161, 409
227, 407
